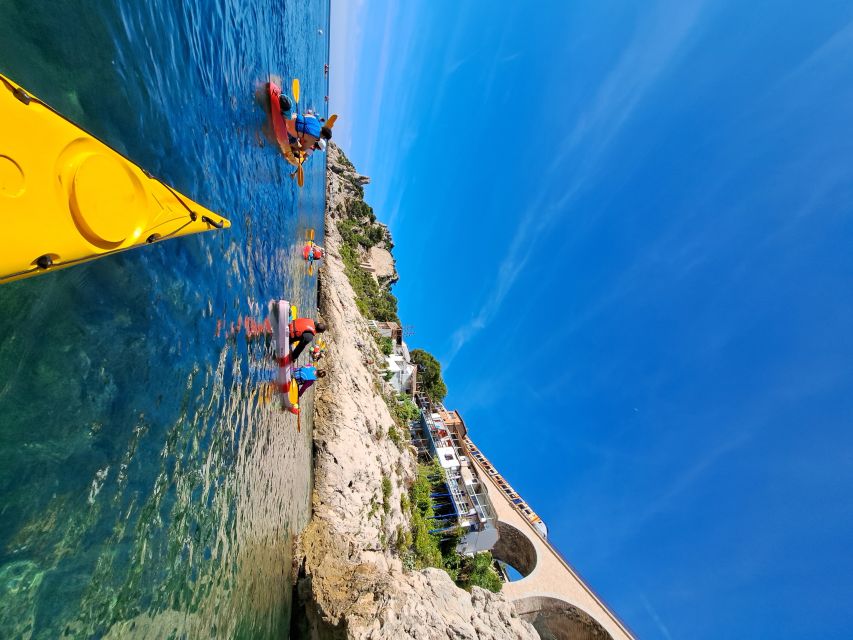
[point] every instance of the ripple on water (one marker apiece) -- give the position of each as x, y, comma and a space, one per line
147, 490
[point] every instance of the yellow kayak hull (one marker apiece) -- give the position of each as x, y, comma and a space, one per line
67, 198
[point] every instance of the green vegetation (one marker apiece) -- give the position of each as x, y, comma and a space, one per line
386, 345
360, 210
374, 507
346, 162
359, 232
405, 410
386, 494
394, 435
418, 547
356, 185
425, 544
439, 549
479, 571
372, 302
429, 375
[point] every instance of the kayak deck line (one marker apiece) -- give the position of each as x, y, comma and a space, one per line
68, 198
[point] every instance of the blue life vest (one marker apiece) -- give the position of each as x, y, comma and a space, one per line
309, 125
305, 374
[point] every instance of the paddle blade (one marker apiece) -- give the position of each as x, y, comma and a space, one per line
295, 90
311, 235
331, 121
300, 176
310, 269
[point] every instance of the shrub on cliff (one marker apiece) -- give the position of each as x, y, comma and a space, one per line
359, 209
372, 302
477, 571
406, 410
386, 345
425, 545
429, 375
439, 549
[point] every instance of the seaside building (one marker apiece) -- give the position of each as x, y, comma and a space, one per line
404, 373
544, 588
440, 435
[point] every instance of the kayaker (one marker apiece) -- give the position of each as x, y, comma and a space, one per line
306, 130
302, 332
306, 376
312, 252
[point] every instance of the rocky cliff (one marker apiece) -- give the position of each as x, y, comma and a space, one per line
351, 580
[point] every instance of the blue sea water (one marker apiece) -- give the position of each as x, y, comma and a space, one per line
145, 488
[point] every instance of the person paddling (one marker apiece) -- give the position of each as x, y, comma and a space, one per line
312, 252
306, 131
306, 376
302, 332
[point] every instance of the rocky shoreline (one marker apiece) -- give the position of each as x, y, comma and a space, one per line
350, 576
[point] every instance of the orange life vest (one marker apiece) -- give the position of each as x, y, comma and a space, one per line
300, 326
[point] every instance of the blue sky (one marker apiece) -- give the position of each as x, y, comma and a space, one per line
625, 230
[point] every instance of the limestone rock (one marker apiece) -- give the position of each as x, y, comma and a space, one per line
351, 582
382, 263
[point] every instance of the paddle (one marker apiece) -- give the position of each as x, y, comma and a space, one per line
331, 121
311, 264
300, 172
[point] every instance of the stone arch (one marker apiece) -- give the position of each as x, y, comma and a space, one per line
556, 619
515, 549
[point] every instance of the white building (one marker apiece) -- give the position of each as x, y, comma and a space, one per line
404, 374
469, 499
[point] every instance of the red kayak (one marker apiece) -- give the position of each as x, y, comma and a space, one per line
278, 124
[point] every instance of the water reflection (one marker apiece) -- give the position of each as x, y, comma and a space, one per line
146, 488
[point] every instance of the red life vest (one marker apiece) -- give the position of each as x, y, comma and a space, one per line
300, 326
318, 253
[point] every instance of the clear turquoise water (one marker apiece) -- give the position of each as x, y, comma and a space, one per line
146, 492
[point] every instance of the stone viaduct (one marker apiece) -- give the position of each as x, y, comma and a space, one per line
550, 595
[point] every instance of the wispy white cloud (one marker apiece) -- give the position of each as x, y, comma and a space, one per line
835, 49
690, 476
525, 240
643, 62
387, 53
667, 28
653, 614
345, 49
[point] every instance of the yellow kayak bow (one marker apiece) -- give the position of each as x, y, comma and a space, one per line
67, 198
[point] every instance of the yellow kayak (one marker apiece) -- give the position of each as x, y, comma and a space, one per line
66, 198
